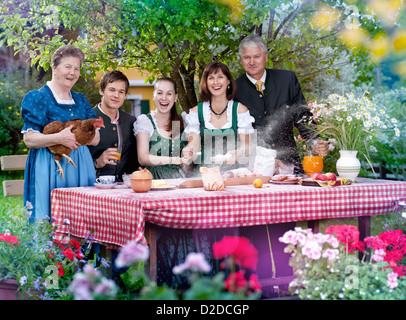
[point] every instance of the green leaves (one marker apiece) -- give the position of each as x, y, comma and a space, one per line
168, 37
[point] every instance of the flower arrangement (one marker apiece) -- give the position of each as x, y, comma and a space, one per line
63, 262
23, 246
352, 121
42, 267
326, 265
238, 259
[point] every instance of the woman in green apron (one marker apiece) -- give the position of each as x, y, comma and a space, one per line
160, 141
218, 128
159, 135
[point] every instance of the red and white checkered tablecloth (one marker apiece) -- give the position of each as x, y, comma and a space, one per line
116, 216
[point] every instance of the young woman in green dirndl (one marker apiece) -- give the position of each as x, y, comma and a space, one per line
218, 128
160, 136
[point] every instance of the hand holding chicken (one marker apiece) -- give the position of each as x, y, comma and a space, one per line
83, 132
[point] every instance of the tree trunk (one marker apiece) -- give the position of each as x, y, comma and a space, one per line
186, 90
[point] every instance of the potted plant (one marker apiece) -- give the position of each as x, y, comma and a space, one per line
327, 266
352, 122
238, 259
33, 264
23, 251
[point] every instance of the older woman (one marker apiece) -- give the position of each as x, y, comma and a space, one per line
56, 101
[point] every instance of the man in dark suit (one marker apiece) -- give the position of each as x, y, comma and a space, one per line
117, 135
275, 99
277, 104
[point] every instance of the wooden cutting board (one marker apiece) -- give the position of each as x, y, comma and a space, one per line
229, 182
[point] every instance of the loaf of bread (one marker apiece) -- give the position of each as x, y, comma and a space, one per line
212, 179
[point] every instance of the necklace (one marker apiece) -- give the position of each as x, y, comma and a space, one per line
218, 114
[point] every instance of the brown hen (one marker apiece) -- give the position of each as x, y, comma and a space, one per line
84, 131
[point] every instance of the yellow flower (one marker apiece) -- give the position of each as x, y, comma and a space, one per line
10, 108
379, 47
399, 40
236, 8
353, 38
387, 10
325, 17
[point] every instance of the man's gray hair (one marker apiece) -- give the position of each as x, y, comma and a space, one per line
252, 41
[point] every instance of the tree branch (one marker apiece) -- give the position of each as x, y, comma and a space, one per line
270, 25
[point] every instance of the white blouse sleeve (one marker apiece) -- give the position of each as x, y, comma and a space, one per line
192, 123
244, 123
143, 124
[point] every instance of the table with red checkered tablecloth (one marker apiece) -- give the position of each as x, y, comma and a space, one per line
116, 216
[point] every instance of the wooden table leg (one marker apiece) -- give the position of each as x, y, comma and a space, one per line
151, 266
364, 227
314, 225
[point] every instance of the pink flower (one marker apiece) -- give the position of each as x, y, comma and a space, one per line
195, 262
392, 280
130, 253
312, 250
293, 237
331, 254
378, 255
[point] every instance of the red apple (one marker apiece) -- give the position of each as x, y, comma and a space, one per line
331, 176
321, 177
314, 175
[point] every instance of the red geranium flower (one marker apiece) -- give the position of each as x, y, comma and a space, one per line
61, 272
69, 254
245, 254
235, 281
394, 244
74, 243
347, 235
254, 283
9, 238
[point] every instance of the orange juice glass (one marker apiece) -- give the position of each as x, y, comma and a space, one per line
312, 164
118, 156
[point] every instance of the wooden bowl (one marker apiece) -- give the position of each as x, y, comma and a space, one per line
141, 185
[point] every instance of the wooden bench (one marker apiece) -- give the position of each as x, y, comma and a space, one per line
380, 171
8, 163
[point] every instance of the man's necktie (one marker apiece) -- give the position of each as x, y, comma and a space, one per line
259, 86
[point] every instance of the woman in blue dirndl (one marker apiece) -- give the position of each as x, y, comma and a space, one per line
55, 101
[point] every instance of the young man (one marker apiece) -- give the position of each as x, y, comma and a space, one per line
274, 98
117, 135
117, 132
